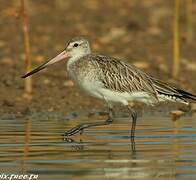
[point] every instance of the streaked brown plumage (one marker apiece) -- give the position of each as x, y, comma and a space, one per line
119, 76
112, 80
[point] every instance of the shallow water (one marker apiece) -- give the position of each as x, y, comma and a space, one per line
164, 149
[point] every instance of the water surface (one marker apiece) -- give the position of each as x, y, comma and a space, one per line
164, 149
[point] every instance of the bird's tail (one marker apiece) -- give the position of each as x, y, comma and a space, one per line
186, 95
171, 92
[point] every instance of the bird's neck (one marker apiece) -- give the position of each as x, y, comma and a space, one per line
74, 59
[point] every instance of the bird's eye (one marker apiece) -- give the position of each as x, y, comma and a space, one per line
75, 45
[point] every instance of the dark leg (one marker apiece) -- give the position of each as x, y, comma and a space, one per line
134, 118
83, 126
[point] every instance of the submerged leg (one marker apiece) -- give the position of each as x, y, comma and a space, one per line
134, 118
81, 127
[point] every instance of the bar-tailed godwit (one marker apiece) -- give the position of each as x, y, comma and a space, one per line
113, 81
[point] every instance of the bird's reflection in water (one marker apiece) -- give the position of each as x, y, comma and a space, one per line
79, 145
76, 145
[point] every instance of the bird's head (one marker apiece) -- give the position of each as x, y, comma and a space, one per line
75, 48
78, 47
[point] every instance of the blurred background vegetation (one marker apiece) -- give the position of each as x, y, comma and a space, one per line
156, 36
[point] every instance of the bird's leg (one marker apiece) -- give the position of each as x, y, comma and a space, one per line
83, 126
110, 115
134, 119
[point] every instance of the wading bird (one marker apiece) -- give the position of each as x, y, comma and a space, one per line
113, 81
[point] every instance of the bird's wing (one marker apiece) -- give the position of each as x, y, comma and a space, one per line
123, 77
168, 90
163, 88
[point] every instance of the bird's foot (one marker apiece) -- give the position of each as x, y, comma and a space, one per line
109, 120
67, 139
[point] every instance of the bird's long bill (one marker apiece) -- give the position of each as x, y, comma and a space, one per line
58, 58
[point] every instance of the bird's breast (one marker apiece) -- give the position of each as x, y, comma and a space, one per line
85, 75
